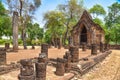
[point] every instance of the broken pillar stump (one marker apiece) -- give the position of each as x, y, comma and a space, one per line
42, 58
40, 71
107, 46
2, 56
67, 56
84, 46
26, 70
44, 49
60, 67
74, 51
101, 47
7, 46
41, 67
93, 49
33, 47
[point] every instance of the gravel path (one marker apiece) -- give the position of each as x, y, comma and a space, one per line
109, 69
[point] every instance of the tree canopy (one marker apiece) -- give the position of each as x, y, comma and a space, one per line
97, 10
112, 21
58, 22
5, 22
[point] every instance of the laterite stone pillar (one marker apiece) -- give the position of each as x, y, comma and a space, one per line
40, 71
101, 47
60, 67
26, 70
67, 56
41, 66
74, 51
2, 56
84, 46
93, 49
44, 49
7, 46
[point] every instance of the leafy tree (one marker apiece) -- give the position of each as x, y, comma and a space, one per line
26, 9
54, 25
98, 21
112, 22
5, 22
34, 32
47, 36
2, 9
97, 10
72, 11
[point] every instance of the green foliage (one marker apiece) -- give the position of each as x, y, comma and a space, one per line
34, 32
3, 41
25, 9
98, 21
20, 42
2, 9
5, 22
54, 25
72, 11
5, 26
47, 37
97, 10
112, 22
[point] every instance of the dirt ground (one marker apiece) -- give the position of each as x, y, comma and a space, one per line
31, 53
109, 69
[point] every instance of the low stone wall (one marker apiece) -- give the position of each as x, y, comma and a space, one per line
8, 68
115, 47
86, 64
13, 66
2, 56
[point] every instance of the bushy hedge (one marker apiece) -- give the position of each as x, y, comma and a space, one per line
3, 41
20, 42
35, 42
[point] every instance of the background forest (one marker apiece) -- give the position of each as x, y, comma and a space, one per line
58, 22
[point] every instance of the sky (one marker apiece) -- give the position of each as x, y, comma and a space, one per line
48, 5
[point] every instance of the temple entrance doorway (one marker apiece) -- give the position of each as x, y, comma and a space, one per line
83, 35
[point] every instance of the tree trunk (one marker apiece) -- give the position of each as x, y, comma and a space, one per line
52, 40
116, 39
55, 40
65, 37
15, 31
24, 38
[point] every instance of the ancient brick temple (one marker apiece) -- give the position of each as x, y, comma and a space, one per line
86, 31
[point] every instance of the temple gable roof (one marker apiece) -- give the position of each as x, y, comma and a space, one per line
86, 19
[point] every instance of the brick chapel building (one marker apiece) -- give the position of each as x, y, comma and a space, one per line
87, 31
